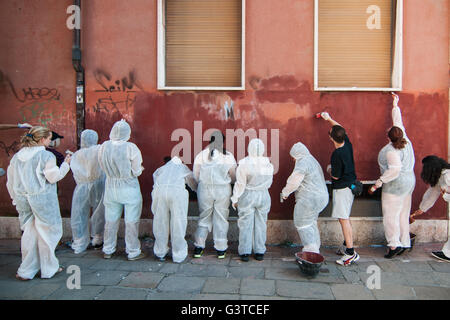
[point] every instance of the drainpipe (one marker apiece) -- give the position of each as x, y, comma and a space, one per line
80, 93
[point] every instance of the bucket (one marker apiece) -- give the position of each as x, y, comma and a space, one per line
412, 236
309, 262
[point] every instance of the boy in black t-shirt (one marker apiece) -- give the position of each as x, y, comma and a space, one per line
342, 171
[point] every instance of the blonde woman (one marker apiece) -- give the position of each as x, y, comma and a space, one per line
32, 176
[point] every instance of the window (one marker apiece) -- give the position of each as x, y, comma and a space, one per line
201, 44
358, 45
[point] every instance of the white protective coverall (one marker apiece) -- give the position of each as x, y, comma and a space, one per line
214, 176
311, 196
254, 176
170, 201
398, 181
88, 193
122, 163
32, 176
432, 194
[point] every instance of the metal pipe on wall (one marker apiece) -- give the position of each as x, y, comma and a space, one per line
79, 82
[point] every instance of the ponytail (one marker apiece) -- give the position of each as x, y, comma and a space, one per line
33, 136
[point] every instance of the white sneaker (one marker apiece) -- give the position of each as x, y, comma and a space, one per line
347, 260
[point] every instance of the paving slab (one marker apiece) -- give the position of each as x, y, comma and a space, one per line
252, 263
203, 270
442, 278
149, 280
420, 279
181, 284
414, 266
242, 272
394, 292
115, 293
215, 296
156, 295
14, 289
351, 292
304, 290
41, 292
440, 266
103, 277
257, 287
222, 285
143, 265
432, 293
85, 293
285, 274
169, 268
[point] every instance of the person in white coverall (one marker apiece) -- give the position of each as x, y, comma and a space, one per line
436, 174
170, 201
214, 170
311, 196
254, 176
32, 176
88, 194
122, 163
396, 161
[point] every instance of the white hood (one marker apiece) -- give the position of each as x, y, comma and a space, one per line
27, 153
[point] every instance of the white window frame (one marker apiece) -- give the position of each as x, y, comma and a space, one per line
161, 61
397, 66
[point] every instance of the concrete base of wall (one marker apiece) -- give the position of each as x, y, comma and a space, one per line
366, 231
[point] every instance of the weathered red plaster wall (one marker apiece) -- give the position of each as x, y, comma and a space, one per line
119, 51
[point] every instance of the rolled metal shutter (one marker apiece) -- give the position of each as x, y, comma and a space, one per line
203, 43
349, 53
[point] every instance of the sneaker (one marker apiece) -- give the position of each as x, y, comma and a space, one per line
98, 246
259, 256
341, 250
107, 256
198, 252
221, 254
245, 257
162, 259
440, 255
392, 253
347, 260
402, 251
140, 256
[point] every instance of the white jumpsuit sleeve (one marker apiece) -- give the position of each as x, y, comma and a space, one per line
136, 160
10, 183
394, 167
241, 182
446, 195
191, 182
53, 173
397, 118
429, 197
293, 182
198, 161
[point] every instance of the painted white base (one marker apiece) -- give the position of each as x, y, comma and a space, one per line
366, 231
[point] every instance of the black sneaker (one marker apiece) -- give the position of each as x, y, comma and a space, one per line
440, 255
393, 253
198, 252
245, 257
259, 256
402, 251
221, 254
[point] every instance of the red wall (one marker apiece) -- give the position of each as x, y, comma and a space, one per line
119, 44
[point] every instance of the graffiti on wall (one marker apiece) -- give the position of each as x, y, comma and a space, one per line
116, 95
9, 149
38, 106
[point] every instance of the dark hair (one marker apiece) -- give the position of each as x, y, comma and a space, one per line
167, 159
337, 133
216, 141
396, 137
432, 169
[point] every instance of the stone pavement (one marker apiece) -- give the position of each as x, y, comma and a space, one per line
412, 276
